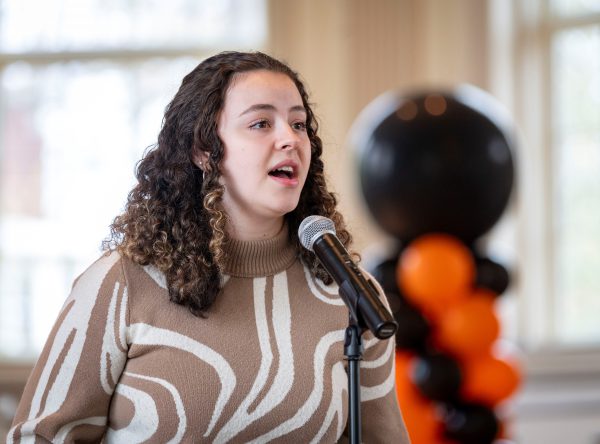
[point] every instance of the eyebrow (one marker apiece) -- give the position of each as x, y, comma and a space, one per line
269, 107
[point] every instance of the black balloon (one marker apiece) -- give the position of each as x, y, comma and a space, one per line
435, 162
413, 328
437, 376
396, 301
385, 273
471, 424
492, 275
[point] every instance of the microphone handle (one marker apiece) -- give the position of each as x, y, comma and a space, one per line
359, 293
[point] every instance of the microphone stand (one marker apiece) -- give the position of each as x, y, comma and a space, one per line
353, 349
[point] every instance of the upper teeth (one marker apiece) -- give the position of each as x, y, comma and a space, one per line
287, 169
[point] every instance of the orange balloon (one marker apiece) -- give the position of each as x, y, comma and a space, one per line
489, 380
435, 271
418, 412
469, 328
404, 362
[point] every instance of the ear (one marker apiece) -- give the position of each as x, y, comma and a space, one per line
200, 158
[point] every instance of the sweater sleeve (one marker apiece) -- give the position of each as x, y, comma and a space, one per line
380, 412
68, 393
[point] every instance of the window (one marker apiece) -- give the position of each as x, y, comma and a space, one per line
548, 71
83, 86
575, 139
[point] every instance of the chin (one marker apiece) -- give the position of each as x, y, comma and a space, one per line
286, 208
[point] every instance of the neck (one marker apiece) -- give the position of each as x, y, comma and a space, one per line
263, 257
255, 231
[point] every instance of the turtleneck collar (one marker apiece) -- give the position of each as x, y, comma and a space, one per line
261, 257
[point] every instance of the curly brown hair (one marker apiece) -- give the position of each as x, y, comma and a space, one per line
173, 218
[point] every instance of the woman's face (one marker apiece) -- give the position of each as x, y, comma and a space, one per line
267, 150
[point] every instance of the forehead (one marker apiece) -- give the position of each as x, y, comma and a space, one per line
260, 86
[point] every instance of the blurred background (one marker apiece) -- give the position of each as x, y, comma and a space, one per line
83, 85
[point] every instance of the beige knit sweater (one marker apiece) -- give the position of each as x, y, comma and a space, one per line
123, 364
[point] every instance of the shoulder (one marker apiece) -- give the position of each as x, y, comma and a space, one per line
106, 267
111, 273
113, 266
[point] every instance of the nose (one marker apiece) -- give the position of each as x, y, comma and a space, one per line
288, 138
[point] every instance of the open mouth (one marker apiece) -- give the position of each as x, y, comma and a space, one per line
284, 172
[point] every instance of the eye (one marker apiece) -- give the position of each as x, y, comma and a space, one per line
260, 124
300, 126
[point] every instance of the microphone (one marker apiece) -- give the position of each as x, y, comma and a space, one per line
317, 234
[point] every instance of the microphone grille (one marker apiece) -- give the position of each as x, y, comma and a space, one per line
312, 228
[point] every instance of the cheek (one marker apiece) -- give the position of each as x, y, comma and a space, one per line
307, 155
242, 168
307, 146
